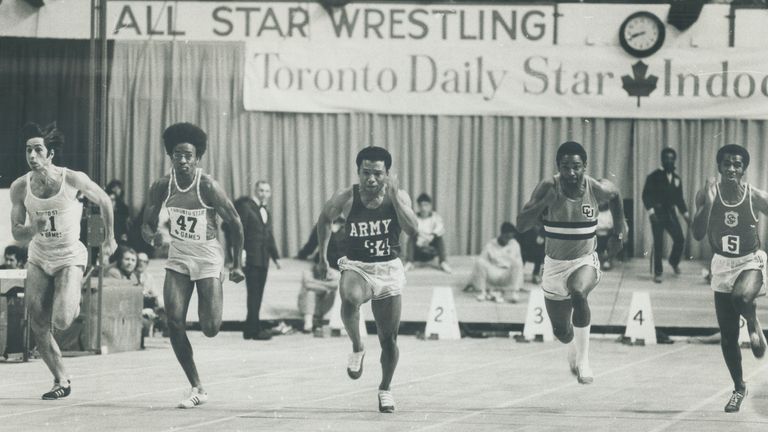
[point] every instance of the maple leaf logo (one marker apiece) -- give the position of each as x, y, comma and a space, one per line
639, 85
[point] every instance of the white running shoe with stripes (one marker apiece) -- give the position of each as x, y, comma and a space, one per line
195, 398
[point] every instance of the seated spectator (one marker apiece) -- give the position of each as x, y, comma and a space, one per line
532, 248
334, 245
501, 266
153, 312
121, 211
428, 244
316, 296
124, 264
15, 258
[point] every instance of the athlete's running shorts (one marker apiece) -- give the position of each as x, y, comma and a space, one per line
197, 260
51, 260
384, 279
726, 270
554, 282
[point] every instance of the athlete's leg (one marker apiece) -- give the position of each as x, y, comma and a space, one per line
580, 284
209, 305
386, 312
745, 291
354, 292
728, 321
559, 312
176, 292
39, 298
66, 296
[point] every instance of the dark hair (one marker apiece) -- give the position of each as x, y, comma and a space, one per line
374, 154
424, 197
17, 251
570, 148
733, 149
669, 150
185, 133
52, 137
112, 184
508, 228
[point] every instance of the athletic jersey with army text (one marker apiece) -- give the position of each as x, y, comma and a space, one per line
570, 224
62, 213
372, 235
191, 219
732, 229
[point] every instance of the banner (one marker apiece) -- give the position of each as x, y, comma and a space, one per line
489, 79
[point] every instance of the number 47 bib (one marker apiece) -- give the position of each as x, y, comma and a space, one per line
188, 225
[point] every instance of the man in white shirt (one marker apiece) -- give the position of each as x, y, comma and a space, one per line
501, 266
428, 244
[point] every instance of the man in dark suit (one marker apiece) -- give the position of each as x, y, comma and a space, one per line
663, 192
260, 247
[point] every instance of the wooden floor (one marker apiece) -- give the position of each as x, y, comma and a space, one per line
298, 383
683, 301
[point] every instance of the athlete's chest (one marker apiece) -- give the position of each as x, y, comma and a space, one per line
45, 187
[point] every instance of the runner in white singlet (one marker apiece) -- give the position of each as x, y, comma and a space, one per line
195, 258
46, 198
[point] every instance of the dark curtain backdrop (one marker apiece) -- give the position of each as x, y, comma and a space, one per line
43, 80
480, 170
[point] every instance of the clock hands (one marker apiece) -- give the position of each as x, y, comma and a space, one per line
634, 35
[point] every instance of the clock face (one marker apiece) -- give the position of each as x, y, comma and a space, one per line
642, 34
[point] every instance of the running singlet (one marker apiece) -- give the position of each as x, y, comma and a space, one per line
570, 224
372, 235
62, 213
191, 220
732, 229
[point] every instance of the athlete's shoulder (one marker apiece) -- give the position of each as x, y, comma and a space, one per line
19, 187
161, 182
76, 178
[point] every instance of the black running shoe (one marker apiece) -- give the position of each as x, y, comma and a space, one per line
734, 403
58, 392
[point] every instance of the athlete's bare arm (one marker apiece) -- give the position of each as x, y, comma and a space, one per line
605, 190
340, 203
21, 231
704, 199
151, 217
98, 196
213, 194
543, 196
759, 200
401, 201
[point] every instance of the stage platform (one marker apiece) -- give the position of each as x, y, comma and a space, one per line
679, 302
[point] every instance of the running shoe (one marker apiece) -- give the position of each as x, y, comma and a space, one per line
734, 403
58, 392
355, 364
195, 399
386, 402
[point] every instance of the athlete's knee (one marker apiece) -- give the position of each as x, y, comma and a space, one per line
63, 319
563, 333
579, 295
388, 342
210, 329
176, 324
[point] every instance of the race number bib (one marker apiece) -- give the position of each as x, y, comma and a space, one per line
731, 244
50, 230
188, 225
379, 248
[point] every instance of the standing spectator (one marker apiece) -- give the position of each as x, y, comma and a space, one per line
15, 258
428, 243
121, 211
603, 232
124, 264
153, 312
501, 266
663, 191
260, 246
317, 295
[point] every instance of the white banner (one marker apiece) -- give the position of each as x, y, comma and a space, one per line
489, 79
